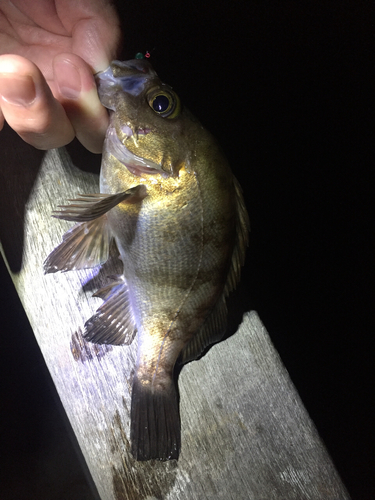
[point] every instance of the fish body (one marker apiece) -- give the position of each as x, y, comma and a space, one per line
181, 230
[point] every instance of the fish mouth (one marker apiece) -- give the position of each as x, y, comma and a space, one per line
126, 77
129, 76
135, 164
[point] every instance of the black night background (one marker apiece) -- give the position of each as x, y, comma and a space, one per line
288, 90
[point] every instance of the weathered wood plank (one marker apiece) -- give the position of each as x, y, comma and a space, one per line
245, 432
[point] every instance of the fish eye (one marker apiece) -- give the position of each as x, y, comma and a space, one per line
161, 104
164, 103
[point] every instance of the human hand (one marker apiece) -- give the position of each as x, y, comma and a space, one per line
49, 50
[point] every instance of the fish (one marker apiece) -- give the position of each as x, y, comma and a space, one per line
176, 212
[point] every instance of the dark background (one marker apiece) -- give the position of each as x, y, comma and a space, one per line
288, 89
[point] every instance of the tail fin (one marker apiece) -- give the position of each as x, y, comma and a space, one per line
155, 421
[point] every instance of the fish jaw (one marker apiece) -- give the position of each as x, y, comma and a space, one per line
126, 76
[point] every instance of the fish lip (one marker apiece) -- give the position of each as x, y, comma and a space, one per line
132, 66
139, 171
132, 79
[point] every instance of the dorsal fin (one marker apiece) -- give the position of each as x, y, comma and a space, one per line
215, 325
242, 240
210, 332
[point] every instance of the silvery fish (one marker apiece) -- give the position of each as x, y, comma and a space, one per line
170, 201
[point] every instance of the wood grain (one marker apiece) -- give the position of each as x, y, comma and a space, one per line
245, 432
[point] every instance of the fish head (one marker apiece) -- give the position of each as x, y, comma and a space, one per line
149, 130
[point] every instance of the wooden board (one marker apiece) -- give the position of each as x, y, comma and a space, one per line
245, 432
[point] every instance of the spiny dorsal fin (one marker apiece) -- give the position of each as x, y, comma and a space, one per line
113, 322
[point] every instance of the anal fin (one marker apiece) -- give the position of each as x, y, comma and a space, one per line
113, 322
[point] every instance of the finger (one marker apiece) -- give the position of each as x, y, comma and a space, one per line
95, 29
29, 107
97, 41
75, 89
1, 120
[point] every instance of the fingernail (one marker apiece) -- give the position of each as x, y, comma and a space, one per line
68, 79
17, 90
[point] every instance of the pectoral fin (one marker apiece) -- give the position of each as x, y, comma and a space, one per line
84, 246
88, 207
113, 322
